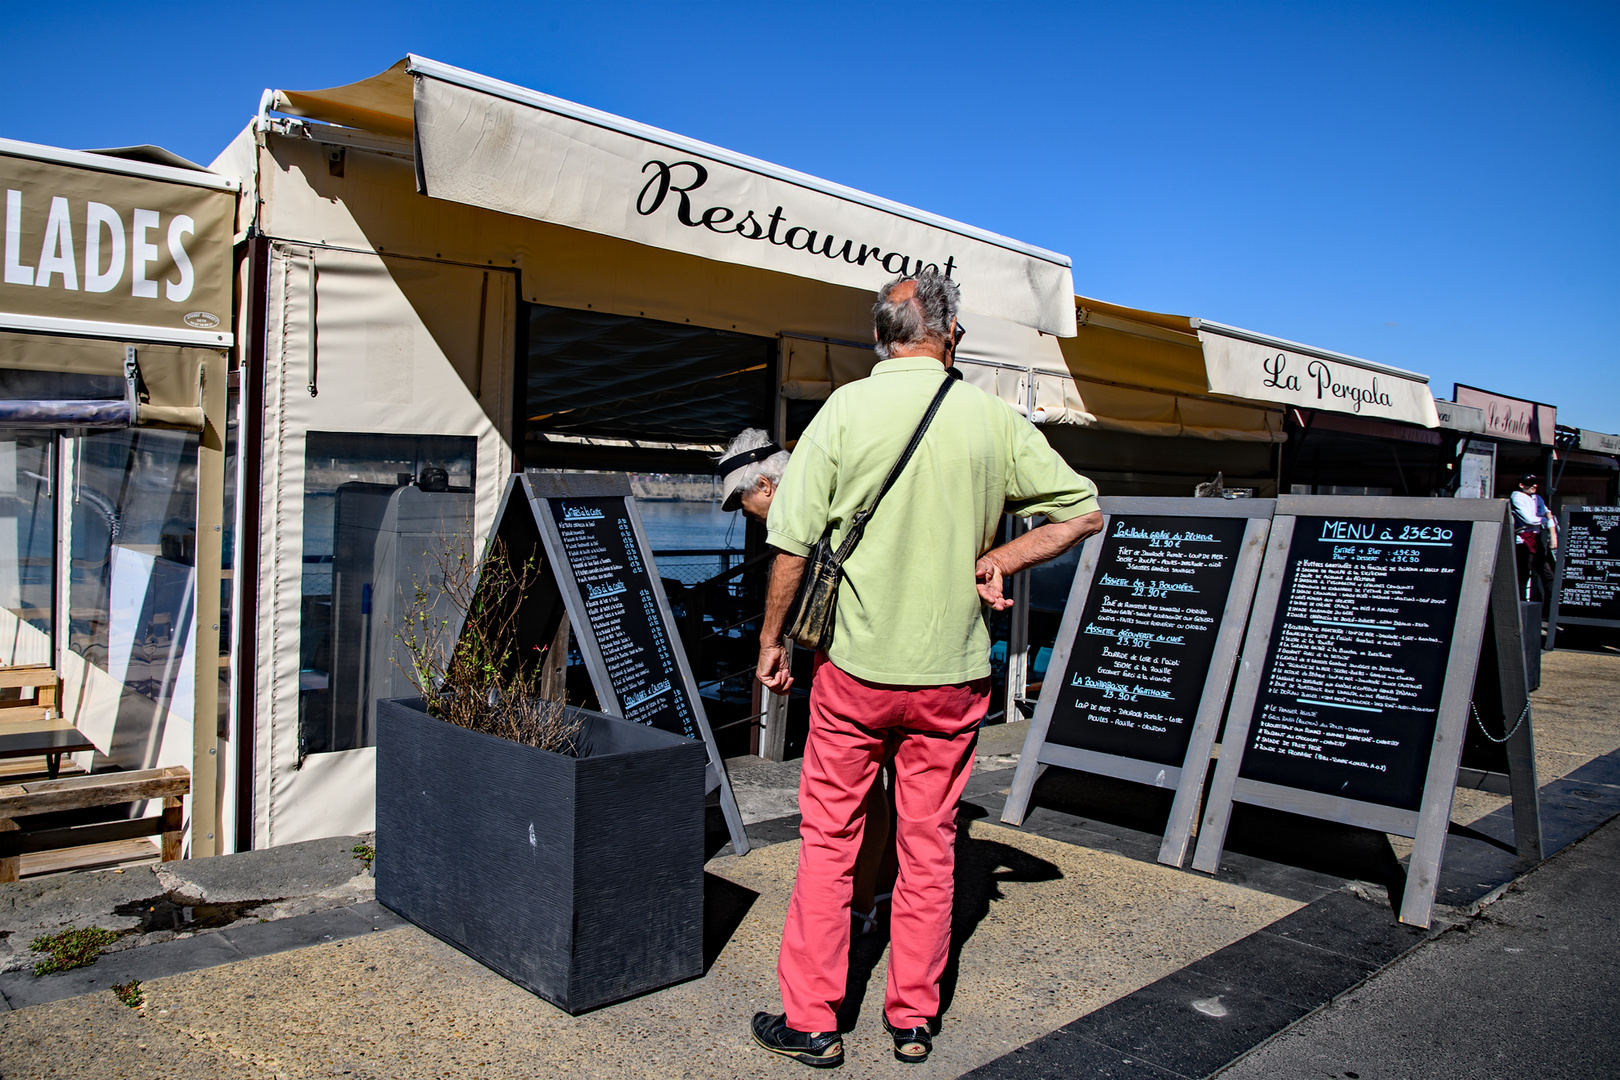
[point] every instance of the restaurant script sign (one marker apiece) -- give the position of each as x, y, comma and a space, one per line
1511, 418
520, 152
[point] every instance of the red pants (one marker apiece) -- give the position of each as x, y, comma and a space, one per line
931, 731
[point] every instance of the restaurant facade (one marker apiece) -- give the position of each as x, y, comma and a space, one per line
439, 279
447, 279
115, 329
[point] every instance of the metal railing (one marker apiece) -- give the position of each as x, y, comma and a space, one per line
693, 566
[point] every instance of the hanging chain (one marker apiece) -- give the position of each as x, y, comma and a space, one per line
1524, 715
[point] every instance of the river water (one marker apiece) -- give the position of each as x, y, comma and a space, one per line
688, 525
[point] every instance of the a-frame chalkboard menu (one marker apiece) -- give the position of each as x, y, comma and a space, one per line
1586, 586
1353, 698
597, 557
1146, 649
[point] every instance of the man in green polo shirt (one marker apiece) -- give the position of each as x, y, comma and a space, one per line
908, 670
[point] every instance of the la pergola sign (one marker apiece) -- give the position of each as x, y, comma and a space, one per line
89, 248
1244, 364
486, 143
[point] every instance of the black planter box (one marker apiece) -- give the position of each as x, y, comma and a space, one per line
580, 879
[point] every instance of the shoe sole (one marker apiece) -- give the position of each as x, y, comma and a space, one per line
815, 1061
909, 1059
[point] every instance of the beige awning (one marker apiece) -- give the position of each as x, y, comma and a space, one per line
491, 144
1143, 372
170, 380
1023, 367
1156, 374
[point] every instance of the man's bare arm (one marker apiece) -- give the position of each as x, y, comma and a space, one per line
773, 670
1036, 546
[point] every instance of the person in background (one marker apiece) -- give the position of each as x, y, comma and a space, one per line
907, 672
1535, 539
750, 470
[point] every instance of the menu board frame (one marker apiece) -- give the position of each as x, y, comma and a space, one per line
536, 492
1554, 617
1186, 779
1488, 583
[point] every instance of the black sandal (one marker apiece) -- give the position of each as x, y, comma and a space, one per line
911, 1045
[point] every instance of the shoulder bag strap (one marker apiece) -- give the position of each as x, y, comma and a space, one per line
857, 525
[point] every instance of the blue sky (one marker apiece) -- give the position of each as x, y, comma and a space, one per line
1428, 185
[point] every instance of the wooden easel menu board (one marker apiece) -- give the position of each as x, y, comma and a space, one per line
600, 559
1358, 668
1146, 650
1586, 587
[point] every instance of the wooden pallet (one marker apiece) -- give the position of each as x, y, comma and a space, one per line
116, 855
21, 802
44, 700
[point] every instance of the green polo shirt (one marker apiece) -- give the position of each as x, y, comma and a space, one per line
908, 611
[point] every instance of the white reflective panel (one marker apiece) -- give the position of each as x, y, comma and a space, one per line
27, 547
131, 593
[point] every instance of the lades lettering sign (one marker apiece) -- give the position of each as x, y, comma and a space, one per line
83, 244
681, 178
1320, 373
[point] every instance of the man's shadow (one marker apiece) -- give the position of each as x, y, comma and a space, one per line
981, 867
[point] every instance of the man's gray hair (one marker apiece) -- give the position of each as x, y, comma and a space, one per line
751, 474
919, 316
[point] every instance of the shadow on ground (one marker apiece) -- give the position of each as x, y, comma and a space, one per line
981, 868
725, 906
1323, 847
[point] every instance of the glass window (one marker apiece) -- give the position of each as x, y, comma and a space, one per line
131, 575
373, 506
27, 546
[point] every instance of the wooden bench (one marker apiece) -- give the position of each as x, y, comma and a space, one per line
25, 800
46, 702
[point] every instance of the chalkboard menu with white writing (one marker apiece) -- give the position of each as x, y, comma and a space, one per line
1351, 690
1587, 586
1146, 635
622, 610
598, 556
1146, 651
1353, 702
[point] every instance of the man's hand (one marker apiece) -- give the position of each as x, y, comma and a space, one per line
774, 669
987, 577
1036, 546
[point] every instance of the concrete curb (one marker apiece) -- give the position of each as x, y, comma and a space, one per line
244, 941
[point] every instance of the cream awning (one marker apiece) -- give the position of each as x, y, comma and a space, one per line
1156, 374
1023, 367
491, 144
1142, 372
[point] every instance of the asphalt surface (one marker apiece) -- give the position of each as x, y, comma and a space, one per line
1528, 987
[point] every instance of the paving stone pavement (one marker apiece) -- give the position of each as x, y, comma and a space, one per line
1079, 956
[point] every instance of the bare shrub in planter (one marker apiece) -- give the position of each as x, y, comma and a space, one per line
461, 652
